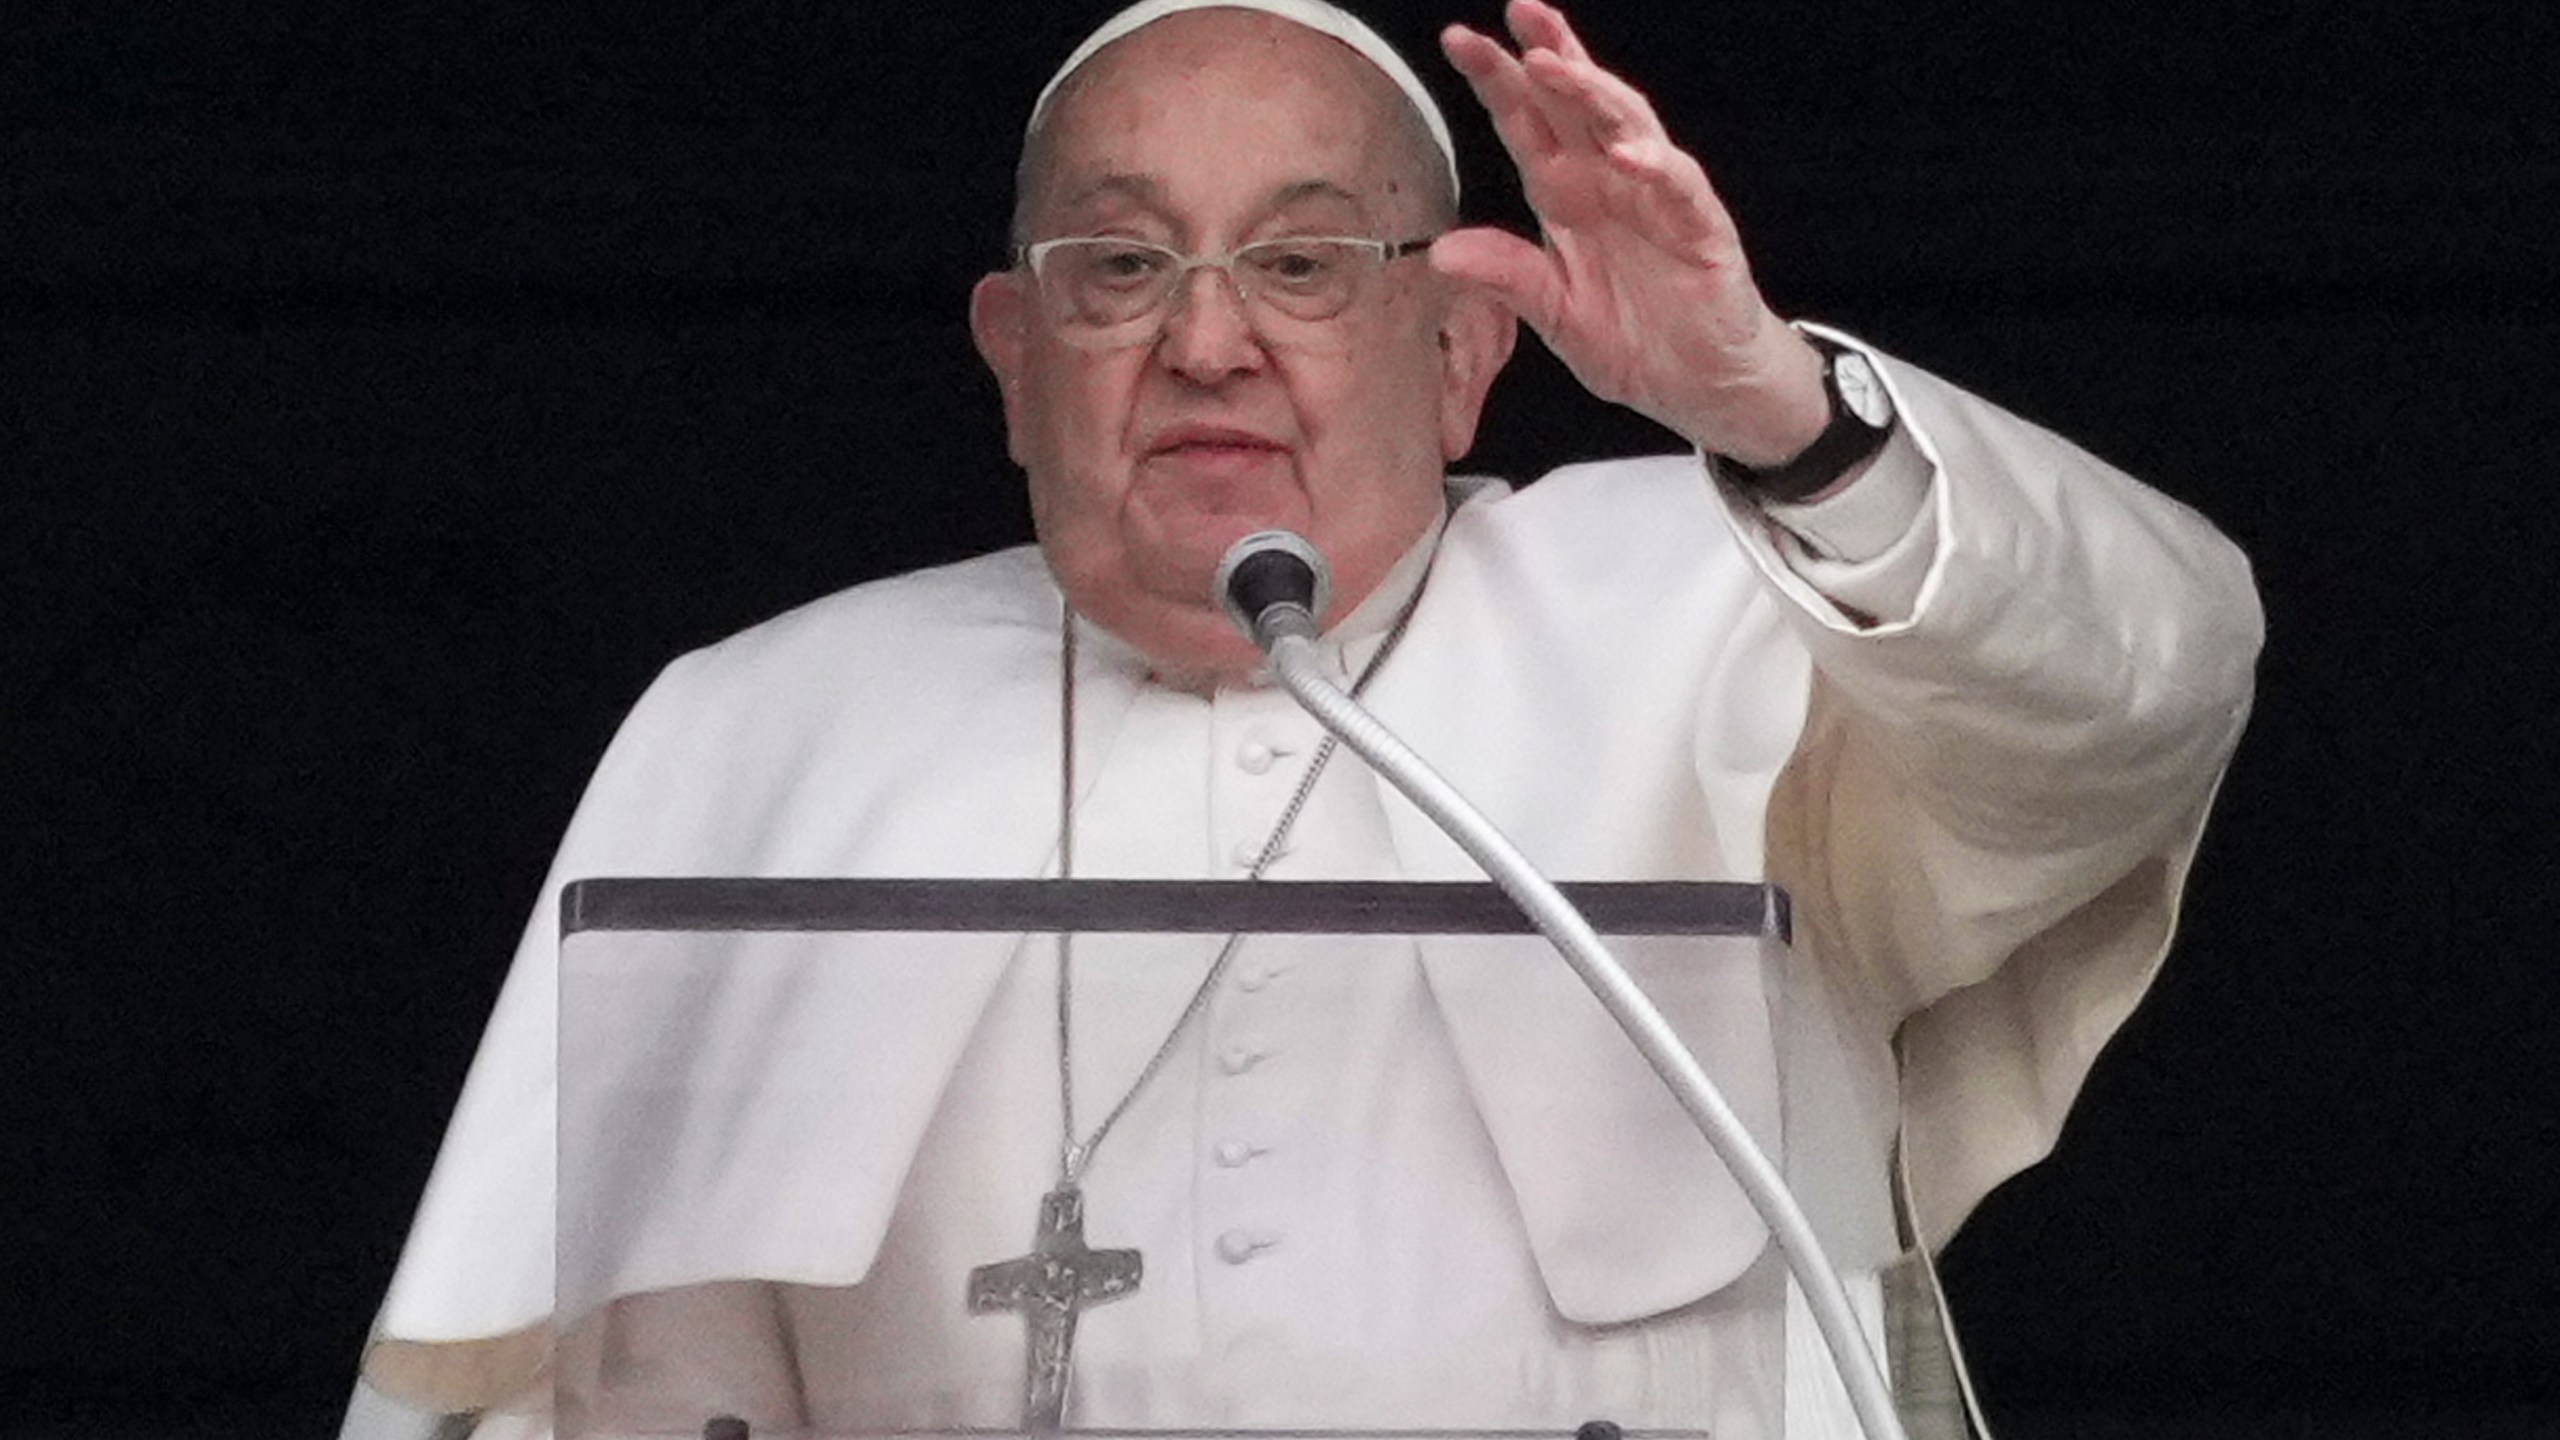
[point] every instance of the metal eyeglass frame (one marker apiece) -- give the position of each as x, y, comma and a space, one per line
1029, 257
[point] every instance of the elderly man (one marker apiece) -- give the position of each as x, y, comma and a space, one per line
1963, 690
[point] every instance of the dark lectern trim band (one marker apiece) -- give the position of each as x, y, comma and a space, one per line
1102, 907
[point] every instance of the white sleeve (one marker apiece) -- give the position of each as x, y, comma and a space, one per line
2022, 707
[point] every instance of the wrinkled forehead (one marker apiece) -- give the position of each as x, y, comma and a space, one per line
1316, 16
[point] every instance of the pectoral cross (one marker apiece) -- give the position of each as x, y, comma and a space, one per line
1051, 1286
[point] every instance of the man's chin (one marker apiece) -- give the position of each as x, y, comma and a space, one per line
1177, 534
1185, 570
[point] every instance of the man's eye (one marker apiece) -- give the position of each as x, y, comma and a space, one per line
1296, 265
1119, 264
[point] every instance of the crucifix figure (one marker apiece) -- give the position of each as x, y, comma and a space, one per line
1051, 1286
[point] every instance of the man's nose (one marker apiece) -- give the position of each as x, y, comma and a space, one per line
1209, 333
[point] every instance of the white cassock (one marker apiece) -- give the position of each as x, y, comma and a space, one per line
1978, 760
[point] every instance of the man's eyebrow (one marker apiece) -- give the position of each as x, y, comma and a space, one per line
1140, 188
1147, 191
1312, 190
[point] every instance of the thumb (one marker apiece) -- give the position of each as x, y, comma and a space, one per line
1524, 277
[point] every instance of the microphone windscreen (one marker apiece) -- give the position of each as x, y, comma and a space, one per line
1267, 568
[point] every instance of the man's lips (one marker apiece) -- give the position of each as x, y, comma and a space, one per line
1208, 441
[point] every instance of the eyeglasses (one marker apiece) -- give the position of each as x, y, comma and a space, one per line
1113, 290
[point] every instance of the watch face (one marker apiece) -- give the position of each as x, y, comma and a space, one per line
1861, 390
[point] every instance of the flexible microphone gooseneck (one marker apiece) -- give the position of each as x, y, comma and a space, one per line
1273, 585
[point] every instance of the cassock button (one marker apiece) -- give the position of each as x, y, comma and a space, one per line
1234, 1153
1255, 758
1237, 1059
1237, 1246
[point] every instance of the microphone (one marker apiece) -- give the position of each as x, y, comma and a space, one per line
1272, 583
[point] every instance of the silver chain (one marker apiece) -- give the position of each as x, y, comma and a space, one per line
1072, 1154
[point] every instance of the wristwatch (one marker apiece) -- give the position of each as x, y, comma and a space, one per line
1861, 419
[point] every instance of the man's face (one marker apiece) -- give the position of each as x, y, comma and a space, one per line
1202, 132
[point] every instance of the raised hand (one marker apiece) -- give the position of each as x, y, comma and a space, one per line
1641, 286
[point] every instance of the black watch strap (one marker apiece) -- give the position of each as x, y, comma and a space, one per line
1848, 438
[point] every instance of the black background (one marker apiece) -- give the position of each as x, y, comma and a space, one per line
390, 390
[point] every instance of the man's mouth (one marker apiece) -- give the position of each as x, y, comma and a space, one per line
1213, 442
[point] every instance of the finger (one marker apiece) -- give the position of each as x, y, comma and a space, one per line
1667, 185
1582, 101
1524, 277
1500, 85
1560, 112
1680, 211
1539, 26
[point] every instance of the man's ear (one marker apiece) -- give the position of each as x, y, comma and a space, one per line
1476, 336
999, 320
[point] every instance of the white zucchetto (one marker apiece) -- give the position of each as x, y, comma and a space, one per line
1315, 15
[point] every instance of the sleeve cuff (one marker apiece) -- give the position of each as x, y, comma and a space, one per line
1868, 548
1870, 515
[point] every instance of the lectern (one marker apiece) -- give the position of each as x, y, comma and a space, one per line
810, 1132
